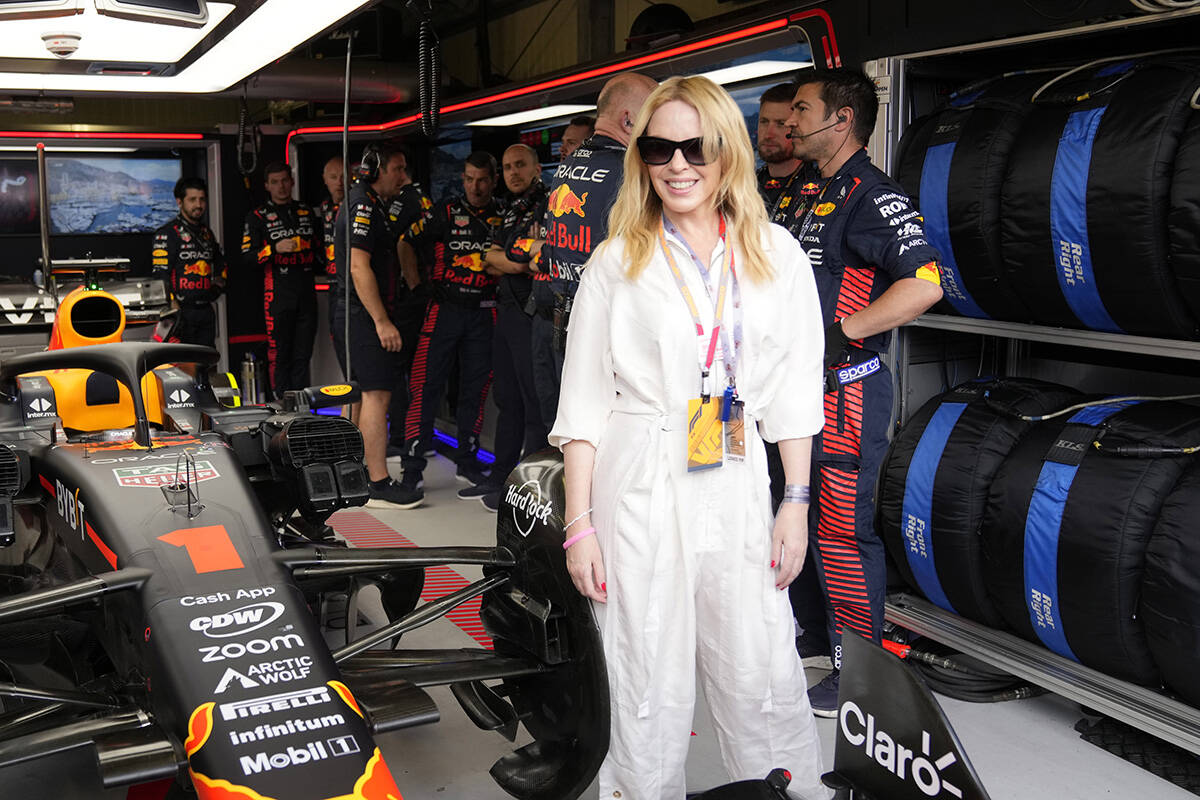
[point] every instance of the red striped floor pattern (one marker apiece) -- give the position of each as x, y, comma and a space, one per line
362, 529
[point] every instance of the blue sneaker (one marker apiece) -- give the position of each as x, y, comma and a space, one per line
824, 696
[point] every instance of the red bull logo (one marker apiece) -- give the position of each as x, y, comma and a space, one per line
471, 261
200, 268
810, 189
563, 201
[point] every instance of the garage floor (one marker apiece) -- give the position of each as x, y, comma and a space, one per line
1022, 750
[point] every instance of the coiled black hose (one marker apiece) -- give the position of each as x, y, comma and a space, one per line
246, 169
429, 77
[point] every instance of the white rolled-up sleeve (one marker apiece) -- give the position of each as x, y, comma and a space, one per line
588, 388
796, 409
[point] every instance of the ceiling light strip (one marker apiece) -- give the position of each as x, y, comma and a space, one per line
632, 63
98, 135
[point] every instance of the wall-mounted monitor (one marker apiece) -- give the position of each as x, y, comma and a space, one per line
99, 194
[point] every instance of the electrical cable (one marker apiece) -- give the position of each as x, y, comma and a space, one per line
246, 169
429, 69
345, 268
1041, 90
962, 677
1108, 401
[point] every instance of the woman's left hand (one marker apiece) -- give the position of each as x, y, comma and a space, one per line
789, 542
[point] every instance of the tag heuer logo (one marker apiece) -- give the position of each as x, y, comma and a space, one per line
149, 477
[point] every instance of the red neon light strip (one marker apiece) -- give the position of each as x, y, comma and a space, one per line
105, 135
640, 61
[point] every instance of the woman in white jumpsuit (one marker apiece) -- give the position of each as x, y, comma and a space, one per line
687, 569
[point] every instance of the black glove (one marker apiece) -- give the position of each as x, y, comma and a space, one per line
837, 345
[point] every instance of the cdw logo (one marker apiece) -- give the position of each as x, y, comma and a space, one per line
239, 621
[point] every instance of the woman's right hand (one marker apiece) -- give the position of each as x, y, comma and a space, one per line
586, 565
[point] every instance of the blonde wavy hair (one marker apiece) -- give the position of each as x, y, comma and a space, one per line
637, 212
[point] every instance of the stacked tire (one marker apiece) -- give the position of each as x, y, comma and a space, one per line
1068, 525
1014, 504
1076, 209
934, 487
952, 163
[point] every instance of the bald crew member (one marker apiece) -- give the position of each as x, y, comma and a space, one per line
581, 194
332, 175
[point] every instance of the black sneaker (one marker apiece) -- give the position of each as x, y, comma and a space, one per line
814, 650
393, 495
470, 473
491, 500
477, 491
824, 696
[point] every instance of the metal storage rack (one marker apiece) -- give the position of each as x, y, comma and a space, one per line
1137, 706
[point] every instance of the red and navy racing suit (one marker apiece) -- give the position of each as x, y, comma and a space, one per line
326, 215
581, 194
460, 319
519, 425
862, 234
188, 259
289, 299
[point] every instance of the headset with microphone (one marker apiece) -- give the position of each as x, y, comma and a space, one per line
840, 119
370, 166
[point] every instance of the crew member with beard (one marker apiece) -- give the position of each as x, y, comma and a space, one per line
783, 179
514, 247
187, 257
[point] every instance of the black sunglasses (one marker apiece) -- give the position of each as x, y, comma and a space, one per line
656, 152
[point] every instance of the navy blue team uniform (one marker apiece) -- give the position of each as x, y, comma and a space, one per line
326, 215
520, 425
289, 297
460, 319
408, 213
581, 195
862, 234
370, 229
782, 196
188, 259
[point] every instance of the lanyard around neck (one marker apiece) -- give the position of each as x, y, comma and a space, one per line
708, 348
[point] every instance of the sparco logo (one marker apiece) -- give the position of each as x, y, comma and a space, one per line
254, 647
239, 621
859, 730
527, 505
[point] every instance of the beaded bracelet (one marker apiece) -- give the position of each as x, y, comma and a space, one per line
583, 533
796, 493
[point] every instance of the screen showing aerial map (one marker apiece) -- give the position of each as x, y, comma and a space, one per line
111, 195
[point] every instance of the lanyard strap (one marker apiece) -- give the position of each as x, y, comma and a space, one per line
812, 209
787, 186
729, 356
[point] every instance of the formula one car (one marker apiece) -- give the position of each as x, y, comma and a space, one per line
164, 548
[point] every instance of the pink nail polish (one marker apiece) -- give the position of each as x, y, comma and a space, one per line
604, 587
772, 563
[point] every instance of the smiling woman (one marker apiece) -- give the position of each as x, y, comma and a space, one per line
694, 291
